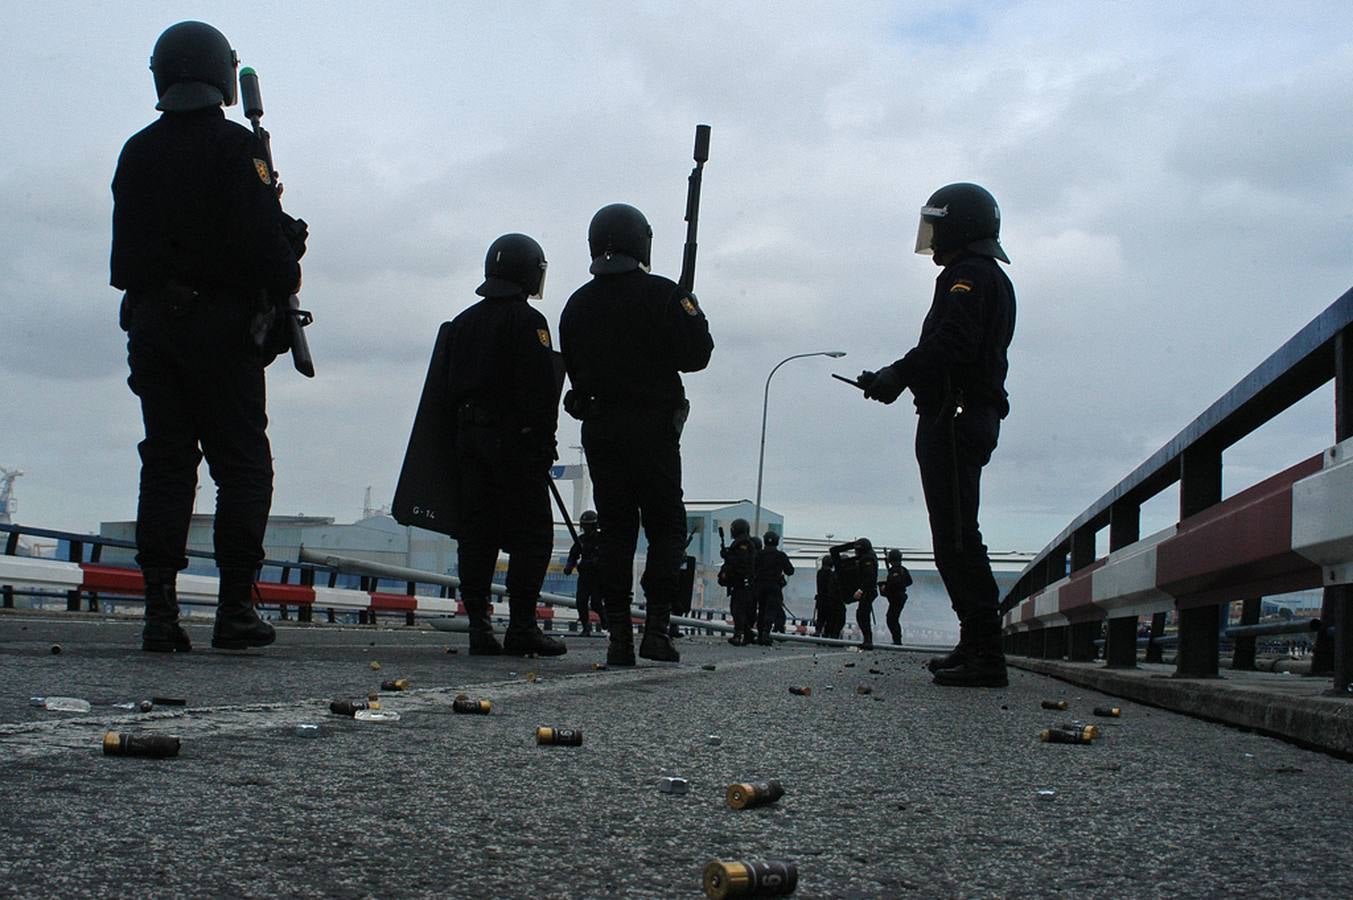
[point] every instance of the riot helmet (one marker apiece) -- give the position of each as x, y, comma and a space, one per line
959, 216
894, 557
771, 538
620, 239
515, 264
740, 528
194, 68
588, 520
826, 561
862, 545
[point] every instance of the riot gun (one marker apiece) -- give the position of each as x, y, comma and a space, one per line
701, 154
296, 318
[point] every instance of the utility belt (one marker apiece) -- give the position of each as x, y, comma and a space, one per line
177, 297
468, 412
584, 407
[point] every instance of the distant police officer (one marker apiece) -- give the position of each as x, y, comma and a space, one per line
626, 337
737, 574
198, 245
956, 374
504, 388
822, 597
895, 584
867, 565
583, 557
772, 566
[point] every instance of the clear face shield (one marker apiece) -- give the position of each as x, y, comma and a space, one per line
925, 232
540, 286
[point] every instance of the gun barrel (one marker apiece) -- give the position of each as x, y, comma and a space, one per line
297, 319
701, 153
251, 98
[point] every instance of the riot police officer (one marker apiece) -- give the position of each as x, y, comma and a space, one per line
503, 386
956, 373
772, 566
867, 567
895, 584
627, 335
199, 243
822, 597
583, 557
736, 575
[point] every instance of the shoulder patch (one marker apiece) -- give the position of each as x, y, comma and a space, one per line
961, 286
544, 337
264, 174
689, 304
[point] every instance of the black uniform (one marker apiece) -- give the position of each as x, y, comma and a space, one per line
960, 362
583, 557
503, 386
895, 586
198, 242
868, 567
772, 565
737, 574
625, 338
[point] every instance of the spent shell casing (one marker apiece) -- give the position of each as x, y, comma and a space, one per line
395, 684
1054, 704
350, 707
801, 691
559, 737
154, 746
169, 701
472, 707
1108, 712
673, 784
1069, 735
745, 794
744, 878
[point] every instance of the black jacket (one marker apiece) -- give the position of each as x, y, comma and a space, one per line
194, 202
772, 564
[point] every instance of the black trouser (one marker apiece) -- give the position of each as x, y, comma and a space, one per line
504, 504
634, 458
864, 618
894, 616
588, 598
202, 393
951, 453
742, 604
770, 604
834, 617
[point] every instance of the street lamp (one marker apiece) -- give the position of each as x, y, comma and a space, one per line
765, 405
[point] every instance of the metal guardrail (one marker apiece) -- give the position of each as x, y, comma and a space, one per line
1320, 352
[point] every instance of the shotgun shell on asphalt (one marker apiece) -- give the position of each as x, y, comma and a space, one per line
1054, 704
395, 684
154, 746
1083, 734
801, 691
350, 707
1108, 712
745, 795
472, 707
559, 737
744, 878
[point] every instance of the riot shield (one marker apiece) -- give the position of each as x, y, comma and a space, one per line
426, 493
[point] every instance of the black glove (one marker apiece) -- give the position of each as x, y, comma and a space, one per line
885, 385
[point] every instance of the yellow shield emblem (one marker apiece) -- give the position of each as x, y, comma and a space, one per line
544, 337
264, 173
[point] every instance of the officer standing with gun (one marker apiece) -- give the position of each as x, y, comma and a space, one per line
583, 557
199, 243
772, 566
894, 588
956, 374
627, 335
867, 569
736, 575
502, 385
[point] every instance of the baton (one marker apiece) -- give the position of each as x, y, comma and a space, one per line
850, 381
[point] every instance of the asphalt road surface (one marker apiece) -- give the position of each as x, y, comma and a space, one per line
908, 789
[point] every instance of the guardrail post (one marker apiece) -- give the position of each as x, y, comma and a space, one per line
409, 591
1242, 656
1120, 637
1335, 656
1054, 645
1199, 626
76, 555
306, 611
1082, 634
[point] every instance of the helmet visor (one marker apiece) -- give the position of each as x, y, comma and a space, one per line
925, 232
540, 286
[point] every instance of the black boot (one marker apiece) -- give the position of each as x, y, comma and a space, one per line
237, 624
657, 643
620, 651
949, 660
482, 641
867, 642
162, 632
983, 667
524, 637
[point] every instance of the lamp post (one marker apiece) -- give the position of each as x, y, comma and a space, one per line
765, 405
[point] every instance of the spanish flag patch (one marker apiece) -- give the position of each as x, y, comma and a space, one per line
692, 308
960, 287
264, 173
544, 337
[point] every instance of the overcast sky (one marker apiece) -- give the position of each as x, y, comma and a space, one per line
1176, 182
